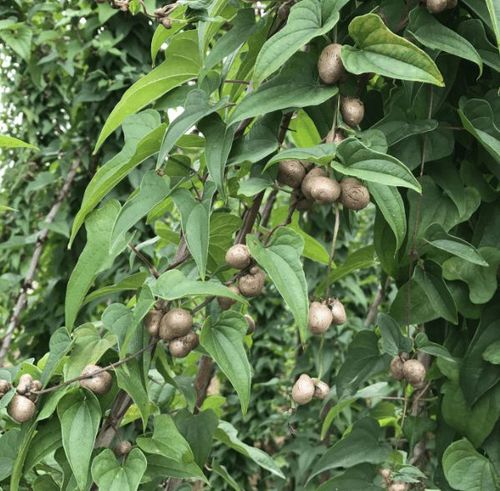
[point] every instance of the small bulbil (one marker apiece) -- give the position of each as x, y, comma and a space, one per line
123, 448
324, 190
354, 195
24, 384
353, 110
334, 136
306, 186
414, 372
21, 409
396, 368
338, 312
436, 6
291, 173
252, 284
175, 323
226, 303
100, 383
251, 324
320, 318
152, 322
330, 66
238, 256
303, 389
321, 389
182, 346
4, 387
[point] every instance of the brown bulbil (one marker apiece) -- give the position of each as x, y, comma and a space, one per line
4, 387
353, 110
21, 409
334, 137
324, 190
291, 173
300, 202
414, 372
251, 285
330, 66
152, 322
238, 256
226, 302
386, 474
338, 312
123, 448
182, 346
398, 486
320, 318
353, 194
321, 389
166, 22
99, 383
175, 323
303, 389
251, 324
396, 368
306, 183
436, 6
24, 384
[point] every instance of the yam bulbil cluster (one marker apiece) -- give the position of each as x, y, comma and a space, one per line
96, 379
322, 315
176, 329
413, 371
22, 406
306, 388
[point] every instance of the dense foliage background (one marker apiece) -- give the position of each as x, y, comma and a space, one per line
151, 143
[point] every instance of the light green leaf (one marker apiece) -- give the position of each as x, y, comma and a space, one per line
362, 258
112, 475
361, 445
393, 340
80, 414
307, 19
174, 71
295, 86
223, 340
380, 51
492, 353
93, 258
47, 440
130, 283
224, 473
130, 379
11, 142
153, 190
422, 343
18, 37
494, 11
60, 343
196, 106
9, 447
360, 161
392, 207
313, 249
254, 185
228, 435
467, 470
281, 261
143, 134
161, 34
174, 284
432, 34
321, 154
218, 142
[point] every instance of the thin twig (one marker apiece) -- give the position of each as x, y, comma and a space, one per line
379, 297
333, 247
145, 260
22, 296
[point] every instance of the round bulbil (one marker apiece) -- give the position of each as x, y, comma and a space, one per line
291, 173
396, 368
330, 66
303, 389
334, 136
321, 389
175, 323
436, 6
252, 284
353, 110
338, 312
100, 383
182, 346
152, 322
414, 372
324, 190
238, 256
24, 384
226, 303
250, 323
306, 186
4, 387
123, 448
21, 409
398, 486
320, 318
354, 195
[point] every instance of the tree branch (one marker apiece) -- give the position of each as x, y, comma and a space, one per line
22, 296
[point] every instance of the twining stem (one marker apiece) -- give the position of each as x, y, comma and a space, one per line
145, 260
333, 247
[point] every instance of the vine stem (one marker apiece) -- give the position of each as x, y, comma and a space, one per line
97, 372
145, 260
22, 296
333, 246
379, 297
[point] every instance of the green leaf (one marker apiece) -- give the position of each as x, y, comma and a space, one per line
228, 435
313, 249
223, 340
281, 261
432, 34
112, 475
494, 11
393, 340
423, 344
321, 154
362, 258
359, 478
129, 283
492, 353
60, 343
80, 414
18, 37
161, 466
380, 51
11, 142
161, 34
221, 471
355, 159
362, 359
218, 142
174, 71
195, 220
307, 19
467, 470
130, 379
222, 228
196, 106
437, 293
94, 257
391, 205
295, 86
359, 446
153, 190
143, 134
173, 285
9, 446
47, 440
254, 185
